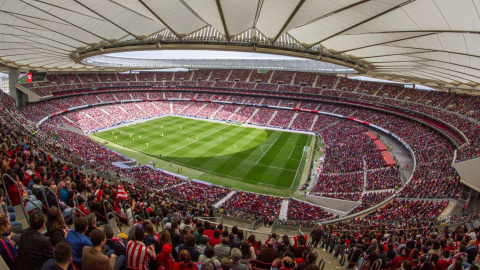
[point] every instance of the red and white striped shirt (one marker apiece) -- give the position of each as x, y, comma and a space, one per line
138, 255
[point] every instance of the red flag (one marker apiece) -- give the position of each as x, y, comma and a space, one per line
121, 193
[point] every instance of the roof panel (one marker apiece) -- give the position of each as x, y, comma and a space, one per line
208, 10
176, 15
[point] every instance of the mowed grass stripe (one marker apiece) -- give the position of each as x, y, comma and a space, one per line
260, 156
233, 164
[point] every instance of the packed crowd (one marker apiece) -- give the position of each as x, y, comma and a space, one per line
252, 205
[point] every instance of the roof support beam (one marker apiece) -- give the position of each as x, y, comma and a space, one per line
106, 19
334, 12
257, 14
292, 15
362, 22
222, 17
45, 28
69, 23
160, 19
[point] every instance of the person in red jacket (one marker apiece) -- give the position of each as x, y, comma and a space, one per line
404, 256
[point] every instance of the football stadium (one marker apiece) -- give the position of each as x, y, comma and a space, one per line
244, 135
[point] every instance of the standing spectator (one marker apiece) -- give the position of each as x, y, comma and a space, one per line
77, 238
63, 257
93, 257
34, 248
316, 235
139, 255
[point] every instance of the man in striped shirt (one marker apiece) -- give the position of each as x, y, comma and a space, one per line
139, 255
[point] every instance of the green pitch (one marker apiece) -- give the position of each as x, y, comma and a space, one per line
257, 156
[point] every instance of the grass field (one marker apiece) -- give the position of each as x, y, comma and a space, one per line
225, 152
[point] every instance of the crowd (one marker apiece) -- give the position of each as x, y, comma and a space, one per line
339, 183
201, 193
252, 205
383, 179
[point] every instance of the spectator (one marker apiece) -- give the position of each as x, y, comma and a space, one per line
57, 231
310, 259
164, 258
93, 257
185, 263
139, 255
189, 246
77, 238
7, 247
208, 259
63, 257
268, 254
113, 242
404, 256
34, 248
92, 224
235, 257
223, 249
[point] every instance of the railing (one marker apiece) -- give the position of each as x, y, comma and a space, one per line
27, 199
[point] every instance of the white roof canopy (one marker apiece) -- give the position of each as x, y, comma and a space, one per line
422, 40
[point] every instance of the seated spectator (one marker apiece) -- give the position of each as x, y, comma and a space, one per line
223, 249
92, 224
235, 257
215, 239
77, 238
57, 231
63, 257
185, 263
225, 264
139, 255
208, 259
7, 247
287, 264
113, 242
310, 260
93, 257
404, 256
164, 258
34, 248
189, 245
268, 254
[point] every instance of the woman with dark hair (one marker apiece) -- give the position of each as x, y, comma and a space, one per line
248, 253
165, 239
239, 236
209, 260
253, 243
284, 245
57, 231
185, 263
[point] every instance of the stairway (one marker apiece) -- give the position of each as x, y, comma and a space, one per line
229, 195
284, 210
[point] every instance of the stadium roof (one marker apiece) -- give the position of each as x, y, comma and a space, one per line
434, 42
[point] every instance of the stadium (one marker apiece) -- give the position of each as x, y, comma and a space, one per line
178, 133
